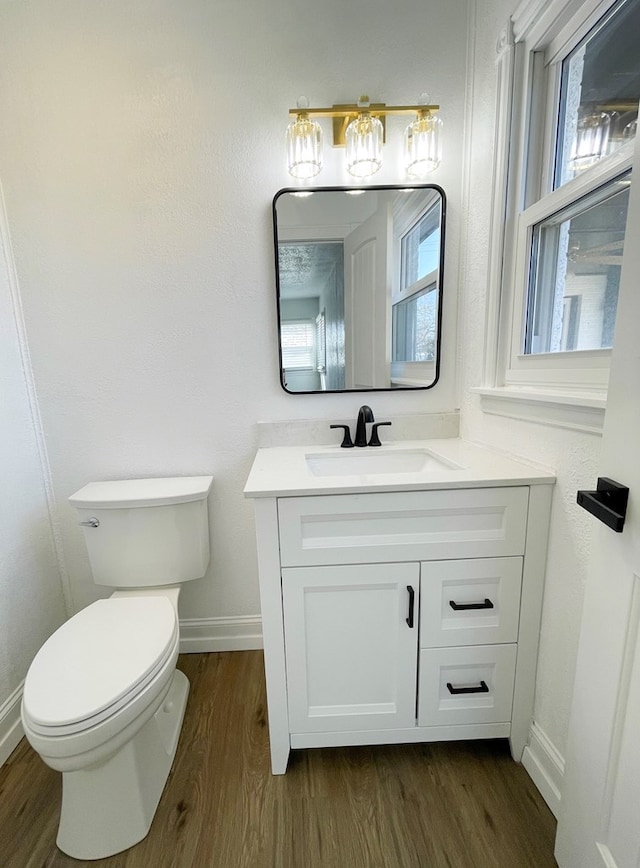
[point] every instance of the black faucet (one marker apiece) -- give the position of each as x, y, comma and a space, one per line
365, 414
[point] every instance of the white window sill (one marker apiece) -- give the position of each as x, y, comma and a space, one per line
579, 411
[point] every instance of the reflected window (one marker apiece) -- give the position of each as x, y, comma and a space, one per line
420, 249
415, 314
298, 345
414, 327
321, 343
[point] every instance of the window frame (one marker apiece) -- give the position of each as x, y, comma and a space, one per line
430, 288
406, 217
529, 65
576, 369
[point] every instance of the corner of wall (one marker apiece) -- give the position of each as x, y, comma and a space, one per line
14, 290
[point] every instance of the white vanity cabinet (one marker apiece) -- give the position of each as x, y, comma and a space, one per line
401, 615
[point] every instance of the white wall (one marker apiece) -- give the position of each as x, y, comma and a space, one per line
140, 147
31, 605
572, 455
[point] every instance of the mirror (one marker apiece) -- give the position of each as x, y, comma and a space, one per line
359, 283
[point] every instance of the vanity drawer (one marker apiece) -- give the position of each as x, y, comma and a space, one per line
470, 602
466, 685
407, 525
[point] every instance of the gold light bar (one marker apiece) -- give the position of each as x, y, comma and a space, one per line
343, 114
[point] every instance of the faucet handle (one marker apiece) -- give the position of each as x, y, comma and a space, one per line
375, 440
346, 440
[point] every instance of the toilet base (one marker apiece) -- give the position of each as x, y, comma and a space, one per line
109, 807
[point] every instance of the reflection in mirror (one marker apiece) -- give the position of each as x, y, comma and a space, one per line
359, 281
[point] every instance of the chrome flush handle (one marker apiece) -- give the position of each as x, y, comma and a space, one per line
90, 522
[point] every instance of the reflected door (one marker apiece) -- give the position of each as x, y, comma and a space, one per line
367, 303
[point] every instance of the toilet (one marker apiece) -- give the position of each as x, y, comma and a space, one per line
103, 702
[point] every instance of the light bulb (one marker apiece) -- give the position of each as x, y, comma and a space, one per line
304, 144
591, 141
423, 144
363, 140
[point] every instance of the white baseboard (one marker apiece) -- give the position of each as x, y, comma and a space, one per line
10, 724
545, 766
200, 635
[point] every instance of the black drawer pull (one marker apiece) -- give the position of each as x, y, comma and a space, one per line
481, 688
458, 607
412, 600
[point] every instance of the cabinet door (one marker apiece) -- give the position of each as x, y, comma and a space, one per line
351, 638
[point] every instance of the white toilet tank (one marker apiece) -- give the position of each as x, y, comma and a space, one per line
146, 532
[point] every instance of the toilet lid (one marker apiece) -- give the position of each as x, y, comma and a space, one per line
99, 657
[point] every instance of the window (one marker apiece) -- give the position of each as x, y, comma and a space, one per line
298, 345
321, 342
568, 124
415, 298
420, 249
414, 327
598, 111
574, 275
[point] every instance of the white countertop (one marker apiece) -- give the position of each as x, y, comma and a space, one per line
286, 471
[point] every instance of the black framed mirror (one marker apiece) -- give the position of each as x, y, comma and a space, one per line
359, 287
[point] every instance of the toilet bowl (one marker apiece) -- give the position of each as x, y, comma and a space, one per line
79, 697
103, 702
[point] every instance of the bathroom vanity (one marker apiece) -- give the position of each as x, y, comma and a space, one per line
401, 592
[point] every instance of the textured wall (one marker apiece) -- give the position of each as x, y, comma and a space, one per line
140, 147
31, 605
573, 456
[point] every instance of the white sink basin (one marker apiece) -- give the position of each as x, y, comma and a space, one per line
373, 462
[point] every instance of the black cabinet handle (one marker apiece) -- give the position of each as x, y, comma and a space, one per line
412, 600
458, 607
481, 688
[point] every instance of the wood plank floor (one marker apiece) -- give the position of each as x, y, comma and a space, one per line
454, 805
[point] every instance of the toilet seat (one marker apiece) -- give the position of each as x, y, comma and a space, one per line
97, 662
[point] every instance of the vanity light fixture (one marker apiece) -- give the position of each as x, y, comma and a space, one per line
361, 128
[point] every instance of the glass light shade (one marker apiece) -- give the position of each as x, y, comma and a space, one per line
363, 140
591, 141
423, 144
304, 147
630, 130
